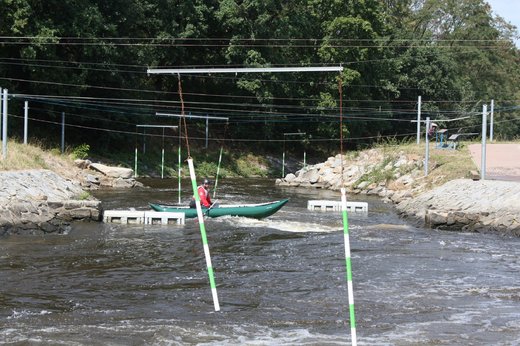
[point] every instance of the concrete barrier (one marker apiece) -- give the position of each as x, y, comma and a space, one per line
321, 205
143, 217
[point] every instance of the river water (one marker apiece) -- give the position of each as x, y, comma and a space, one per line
280, 281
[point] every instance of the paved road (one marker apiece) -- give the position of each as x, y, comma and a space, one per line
502, 160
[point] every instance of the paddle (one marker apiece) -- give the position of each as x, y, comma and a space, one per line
211, 206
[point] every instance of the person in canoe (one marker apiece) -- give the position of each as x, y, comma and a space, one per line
203, 191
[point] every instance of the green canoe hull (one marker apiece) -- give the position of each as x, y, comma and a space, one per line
257, 211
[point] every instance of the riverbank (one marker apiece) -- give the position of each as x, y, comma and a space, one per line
34, 201
51, 198
467, 205
43, 192
447, 198
41, 200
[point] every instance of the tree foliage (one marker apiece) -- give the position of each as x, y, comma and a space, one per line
454, 53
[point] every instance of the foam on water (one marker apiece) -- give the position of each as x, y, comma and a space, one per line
281, 281
285, 226
25, 313
171, 332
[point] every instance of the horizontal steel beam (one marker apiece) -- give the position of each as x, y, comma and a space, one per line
245, 70
160, 126
190, 116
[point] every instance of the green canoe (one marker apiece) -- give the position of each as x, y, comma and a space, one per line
256, 211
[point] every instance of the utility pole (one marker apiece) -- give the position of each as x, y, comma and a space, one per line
25, 121
491, 120
427, 154
1, 112
483, 150
4, 125
62, 132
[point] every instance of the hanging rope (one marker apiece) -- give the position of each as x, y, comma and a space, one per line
200, 216
346, 236
184, 118
135, 154
340, 89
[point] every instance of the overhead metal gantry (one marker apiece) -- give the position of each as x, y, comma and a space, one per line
244, 70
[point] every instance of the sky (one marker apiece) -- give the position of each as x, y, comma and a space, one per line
509, 10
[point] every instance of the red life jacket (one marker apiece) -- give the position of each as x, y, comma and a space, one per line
204, 197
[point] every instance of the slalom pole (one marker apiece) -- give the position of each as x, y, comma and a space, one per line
135, 162
162, 164
348, 265
283, 164
345, 225
162, 155
218, 171
203, 235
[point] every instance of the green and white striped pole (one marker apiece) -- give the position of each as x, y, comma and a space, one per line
162, 164
203, 235
348, 265
218, 172
283, 165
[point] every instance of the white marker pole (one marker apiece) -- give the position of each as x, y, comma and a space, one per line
203, 235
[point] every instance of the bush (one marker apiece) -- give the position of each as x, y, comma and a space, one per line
81, 151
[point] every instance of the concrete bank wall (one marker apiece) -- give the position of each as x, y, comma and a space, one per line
463, 204
477, 206
35, 201
404, 171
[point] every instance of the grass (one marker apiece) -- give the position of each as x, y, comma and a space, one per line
34, 156
444, 165
21, 156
